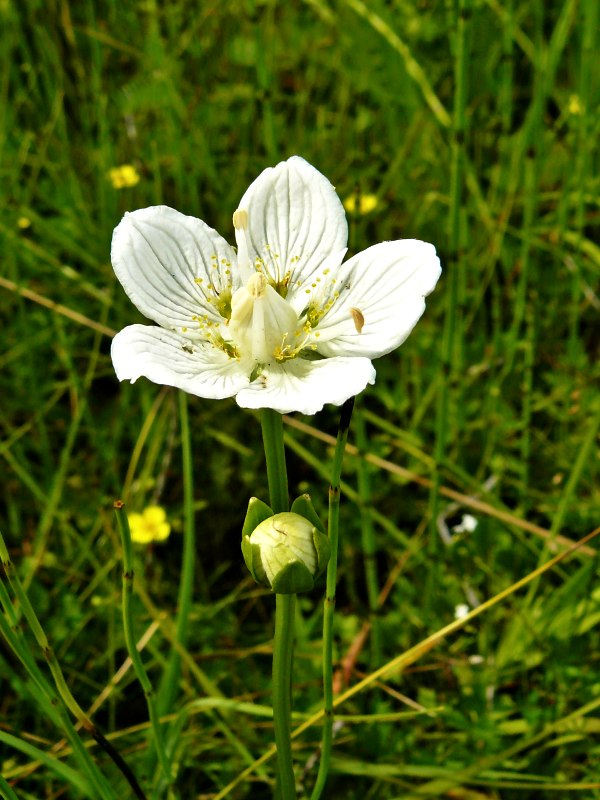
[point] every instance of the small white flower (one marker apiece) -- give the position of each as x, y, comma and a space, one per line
467, 524
282, 323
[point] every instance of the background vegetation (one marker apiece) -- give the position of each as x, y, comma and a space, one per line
473, 123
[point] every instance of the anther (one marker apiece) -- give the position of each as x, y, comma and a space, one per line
240, 219
240, 223
358, 319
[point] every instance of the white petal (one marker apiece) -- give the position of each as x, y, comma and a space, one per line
171, 266
386, 285
159, 355
305, 386
295, 220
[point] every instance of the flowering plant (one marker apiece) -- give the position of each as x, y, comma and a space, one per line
283, 323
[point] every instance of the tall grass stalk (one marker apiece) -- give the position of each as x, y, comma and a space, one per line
451, 356
47, 700
330, 595
368, 540
131, 642
585, 133
99, 786
6, 791
413, 654
190, 570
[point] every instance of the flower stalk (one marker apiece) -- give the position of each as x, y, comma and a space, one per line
330, 592
272, 432
285, 604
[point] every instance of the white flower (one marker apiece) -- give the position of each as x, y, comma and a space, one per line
467, 525
282, 323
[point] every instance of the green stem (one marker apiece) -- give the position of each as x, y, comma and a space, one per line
42, 639
66, 774
283, 653
283, 656
333, 531
5, 790
169, 682
272, 430
369, 544
130, 641
55, 707
189, 566
92, 785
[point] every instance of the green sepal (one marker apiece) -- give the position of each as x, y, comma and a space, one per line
247, 553
257, 512
323, 548
303, 505
251, 553
293, 578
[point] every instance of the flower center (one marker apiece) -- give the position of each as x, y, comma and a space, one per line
263, 325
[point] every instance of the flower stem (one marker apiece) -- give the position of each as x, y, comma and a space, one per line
333, 530
283, 656
272, 429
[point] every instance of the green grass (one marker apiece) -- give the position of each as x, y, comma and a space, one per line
474, 125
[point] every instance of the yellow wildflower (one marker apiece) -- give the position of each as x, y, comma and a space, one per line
574, 106
149, 526
361, 203
23, 222
124, 176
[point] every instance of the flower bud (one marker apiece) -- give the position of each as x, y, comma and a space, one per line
284, 552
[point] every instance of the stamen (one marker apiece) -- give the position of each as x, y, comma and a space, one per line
240, 219
240, 223
358, 319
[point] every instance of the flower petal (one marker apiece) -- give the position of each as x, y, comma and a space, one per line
381, 297
167, 358
295, 220
172, 267
305, 386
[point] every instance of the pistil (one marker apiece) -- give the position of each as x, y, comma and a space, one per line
262, 323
